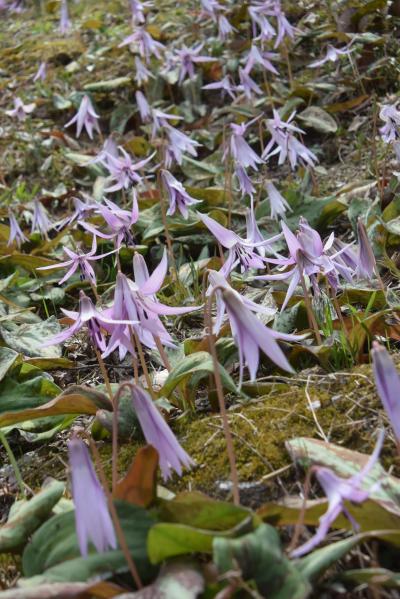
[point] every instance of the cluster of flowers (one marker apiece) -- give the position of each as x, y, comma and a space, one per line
134, 314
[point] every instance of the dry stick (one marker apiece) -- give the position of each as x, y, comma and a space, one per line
113, 512
163, 353
221, 399
289, 66
143, 363
310, 313
374, 152
300, 522
114, 452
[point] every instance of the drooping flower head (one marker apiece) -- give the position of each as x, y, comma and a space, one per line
277, 202
391, 117
65, 23
157, 433
240, 150
87, 316
20, 109
366, 260
249, 333
85, 117
332, 55
124, 172
81, 261
178, 197
179, 144
16, 234
284, 142
146, 45
119, 222
387, 381
187, 58
41, 73
40, 221
92, 519
338, 490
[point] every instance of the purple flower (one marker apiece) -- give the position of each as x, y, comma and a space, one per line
240, 149
187, 58
245, 184
226, 85
261, 58
147, 46
338, 490
260, 20
119, 222
40, 220
248, 85
178, 197
224, 28
391, 117
123, 170
142, 74
92, 519
249, 333
284, 142
143, 106
332, 55
16, 234
85, 117
157, 433
240, 251
210, 8
88, 316
178, 145
277, 202
137, 9
308, 256
366, 259
20, 109
65, 23
81, 261
387, 381
41, 73
285, 29
136, 301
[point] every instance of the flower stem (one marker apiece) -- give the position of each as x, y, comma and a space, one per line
13, 462
221, 400
143, 363
113, 512
115, 419
310, 313
166, 230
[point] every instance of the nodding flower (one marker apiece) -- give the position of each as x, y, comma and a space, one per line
249, 333
81, 261
178, 197
387, 381
355, 490
157, 433
85, 117
92, 519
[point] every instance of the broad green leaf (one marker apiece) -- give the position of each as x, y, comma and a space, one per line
200, 511
28, 339
28, 515
193, 364
346, 463
16, 395
167, 540
72, 401
374, 576
110, 85
8, 357
53, 553
259, 557
317, 118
